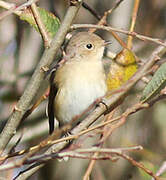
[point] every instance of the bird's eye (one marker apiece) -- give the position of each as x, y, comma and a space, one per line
89, 46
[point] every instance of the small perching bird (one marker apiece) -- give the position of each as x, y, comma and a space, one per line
79, 81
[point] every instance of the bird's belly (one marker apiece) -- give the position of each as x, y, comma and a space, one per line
74, 100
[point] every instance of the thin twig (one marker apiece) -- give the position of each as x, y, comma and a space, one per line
161, 170
90, 166
92, 11
102, 20
109, 29
96, 154
38, 102
41, 26
133, 21
76, 153
137, 164
13, 9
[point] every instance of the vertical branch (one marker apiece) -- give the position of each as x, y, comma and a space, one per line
41, 26
90, 167
133, 21
96, 154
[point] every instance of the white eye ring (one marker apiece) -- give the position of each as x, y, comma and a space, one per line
89, 46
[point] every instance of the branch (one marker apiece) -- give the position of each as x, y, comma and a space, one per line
41, 27
92, 11
161, 170
137, 164
74, 154
13, 9
109, 29
133, 21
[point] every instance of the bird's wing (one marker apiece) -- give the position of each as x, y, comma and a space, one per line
52, 95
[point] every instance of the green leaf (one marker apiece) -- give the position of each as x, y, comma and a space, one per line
50, 21
157, 83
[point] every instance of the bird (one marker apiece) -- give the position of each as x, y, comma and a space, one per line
79, 81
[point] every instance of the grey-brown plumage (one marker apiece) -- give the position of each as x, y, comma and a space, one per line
78, 82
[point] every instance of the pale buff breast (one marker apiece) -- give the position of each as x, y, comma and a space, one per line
84, 84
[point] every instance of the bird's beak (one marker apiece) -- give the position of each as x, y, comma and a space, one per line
107, 43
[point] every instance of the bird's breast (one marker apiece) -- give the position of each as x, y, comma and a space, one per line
79, 87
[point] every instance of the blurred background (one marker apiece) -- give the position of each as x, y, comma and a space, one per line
20, 50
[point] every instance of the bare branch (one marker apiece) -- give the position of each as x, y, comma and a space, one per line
133, 21
13, 9
41, 27
109, 29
